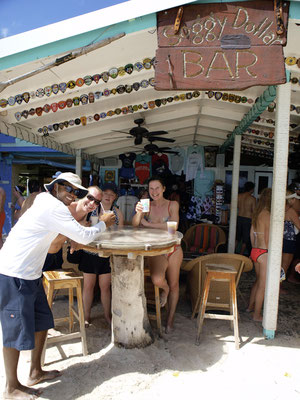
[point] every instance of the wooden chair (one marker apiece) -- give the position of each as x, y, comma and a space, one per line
153, 299
218, 294
66, 279
202, 239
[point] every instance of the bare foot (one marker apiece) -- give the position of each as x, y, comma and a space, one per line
249, 310
22, 393
169, 329
257, 319
163, 299
43, 376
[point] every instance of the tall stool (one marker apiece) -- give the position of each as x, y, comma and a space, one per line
215, 273
66, 279
156, 302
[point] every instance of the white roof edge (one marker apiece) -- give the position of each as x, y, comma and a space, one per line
83, 23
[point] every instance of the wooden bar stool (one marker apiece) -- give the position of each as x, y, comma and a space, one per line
66, 279
223, 274
156, 302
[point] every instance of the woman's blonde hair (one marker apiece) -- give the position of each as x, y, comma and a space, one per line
264, 203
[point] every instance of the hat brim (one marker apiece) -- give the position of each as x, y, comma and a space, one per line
49, 187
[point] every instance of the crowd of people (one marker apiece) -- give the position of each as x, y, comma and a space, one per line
253, 226
68, 212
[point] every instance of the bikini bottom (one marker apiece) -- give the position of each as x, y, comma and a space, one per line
176, 247
256, 253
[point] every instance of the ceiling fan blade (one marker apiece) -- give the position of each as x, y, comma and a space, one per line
162, 139
158, 133
127, 133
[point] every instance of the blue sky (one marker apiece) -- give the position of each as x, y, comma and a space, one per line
19, 16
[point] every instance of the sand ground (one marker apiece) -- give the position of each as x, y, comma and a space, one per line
173, 367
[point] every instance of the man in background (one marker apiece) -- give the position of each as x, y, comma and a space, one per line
34, 189
246, 205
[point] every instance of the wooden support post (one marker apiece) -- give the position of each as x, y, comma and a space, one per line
130, 323
234, 192
280, 169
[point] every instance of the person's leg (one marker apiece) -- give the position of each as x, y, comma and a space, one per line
158, 266
253, 290
172, 272
261, 284
89, 281
287, 258
36, 373
105, 292
293, 275
13, 388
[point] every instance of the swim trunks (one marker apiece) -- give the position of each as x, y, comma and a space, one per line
24, 310
256, 253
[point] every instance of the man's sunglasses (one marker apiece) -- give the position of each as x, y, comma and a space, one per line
92, 198
69, 189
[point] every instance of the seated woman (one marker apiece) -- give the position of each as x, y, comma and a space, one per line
92, 265
164, 269
259, 235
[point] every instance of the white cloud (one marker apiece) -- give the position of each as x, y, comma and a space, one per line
3, 32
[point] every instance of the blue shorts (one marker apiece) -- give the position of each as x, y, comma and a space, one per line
24, 310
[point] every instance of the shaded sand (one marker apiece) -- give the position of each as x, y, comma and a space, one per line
174, 367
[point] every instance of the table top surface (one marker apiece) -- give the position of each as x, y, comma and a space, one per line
136, 239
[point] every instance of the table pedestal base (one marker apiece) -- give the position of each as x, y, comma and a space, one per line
130, 323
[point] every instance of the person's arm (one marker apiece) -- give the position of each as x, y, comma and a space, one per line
252, 237
138, 216
64, 223
2, 199
294, 218
120, 216
267, 229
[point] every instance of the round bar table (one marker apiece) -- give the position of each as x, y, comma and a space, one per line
126, 248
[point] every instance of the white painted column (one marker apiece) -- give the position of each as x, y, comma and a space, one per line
78, 163
234, 192
280, 169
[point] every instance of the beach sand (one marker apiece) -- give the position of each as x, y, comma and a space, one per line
174, 367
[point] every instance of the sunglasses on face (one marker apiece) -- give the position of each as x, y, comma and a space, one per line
92, 198
69, 189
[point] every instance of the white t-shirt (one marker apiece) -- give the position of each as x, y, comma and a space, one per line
25, 249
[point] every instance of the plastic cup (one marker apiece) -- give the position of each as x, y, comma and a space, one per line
145, 204
107, 211
172, 226
94, 219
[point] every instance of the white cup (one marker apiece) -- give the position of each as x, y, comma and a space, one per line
172, 226
107, 211
145, 204
94, 219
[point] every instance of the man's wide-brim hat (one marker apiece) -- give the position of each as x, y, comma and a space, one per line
69, 177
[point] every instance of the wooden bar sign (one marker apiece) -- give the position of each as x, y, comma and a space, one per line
220, 46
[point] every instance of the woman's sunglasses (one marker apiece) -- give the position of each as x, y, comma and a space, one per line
92, 198
69, 189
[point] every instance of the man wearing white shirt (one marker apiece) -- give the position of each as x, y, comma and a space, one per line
24, 311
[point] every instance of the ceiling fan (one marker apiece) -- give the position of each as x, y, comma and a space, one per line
139, 132
152, 149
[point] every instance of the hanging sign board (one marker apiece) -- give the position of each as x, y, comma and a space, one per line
220, 46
